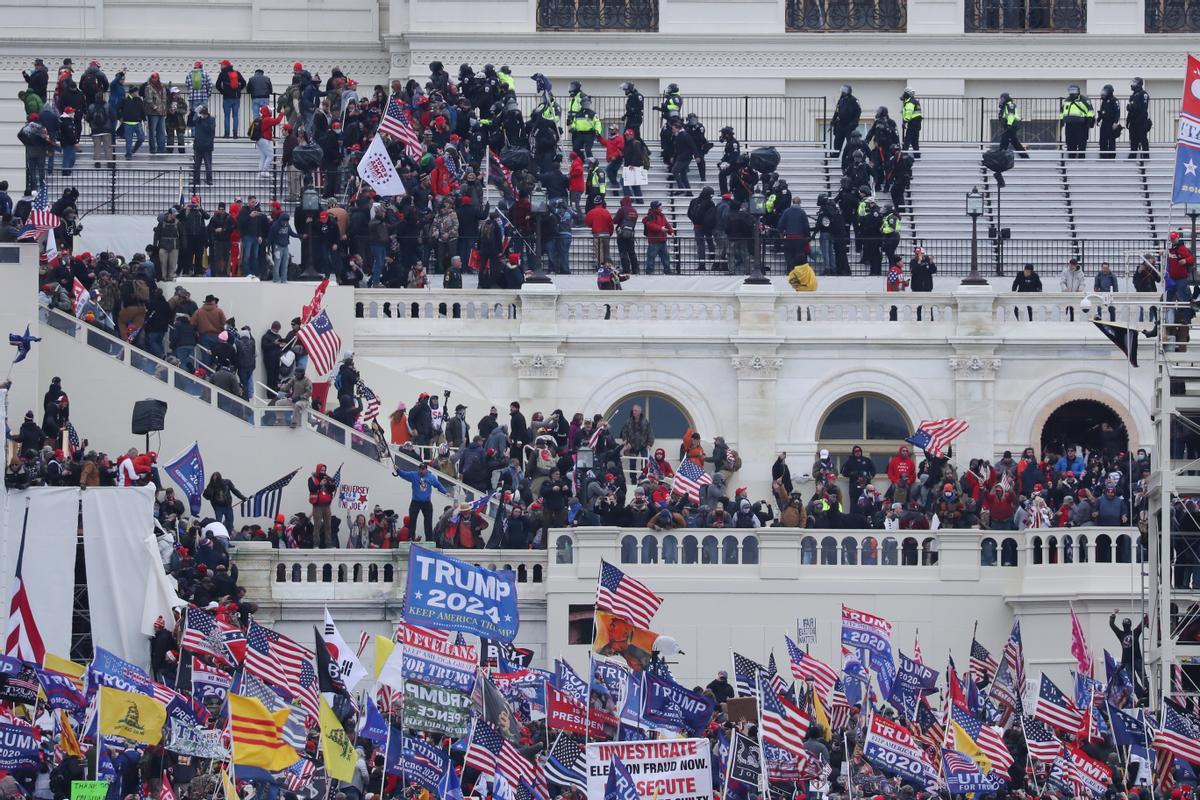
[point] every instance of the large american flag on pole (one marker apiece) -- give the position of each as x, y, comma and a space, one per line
24, 640
934, 437
625, 597
982, 665
1056, 708
322, 344
1178, 735
397, 124
40, 219
688, 480
807, 668
370, 402
278, 660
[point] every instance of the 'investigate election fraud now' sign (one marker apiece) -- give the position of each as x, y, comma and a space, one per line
453, 595
669, 769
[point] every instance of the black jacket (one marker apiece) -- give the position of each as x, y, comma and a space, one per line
922, 274
1030, 283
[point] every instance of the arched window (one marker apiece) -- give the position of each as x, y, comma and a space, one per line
829, 550
987, 552
929, 551
1008, 553
1068, 549
670, 549
908, 552
629, 548
1103, 548
650, 549
373, 573
750, 550
1036, 545
708, 550
281, 574
341, 573
296, 573
668, 420
729, 550
808, 550
564, 550
1123, 549
849, 550
868, 420
389, 573
890, 552
312, 573
870, 550
522, 573
1082, 543
689, 550
538, 574
1052, 549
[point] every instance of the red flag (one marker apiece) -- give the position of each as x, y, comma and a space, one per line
24, 639
1079, 647
314, 306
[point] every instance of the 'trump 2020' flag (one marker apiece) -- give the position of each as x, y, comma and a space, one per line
1187, 145
187, 470
377, 169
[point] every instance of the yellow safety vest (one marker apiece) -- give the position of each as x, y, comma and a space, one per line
911, 110
1076, 109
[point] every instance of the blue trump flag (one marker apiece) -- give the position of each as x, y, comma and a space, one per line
19, 749
187, 470
620, 785
452, 595
450, 787
1187, 145
375, 727
670, 705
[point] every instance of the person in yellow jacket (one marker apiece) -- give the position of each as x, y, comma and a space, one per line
802, 278
1076, 118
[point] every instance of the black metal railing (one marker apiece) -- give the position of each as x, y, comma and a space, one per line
1172, 16
126, 190
821, 16
975, 119
597, 15
1025, 16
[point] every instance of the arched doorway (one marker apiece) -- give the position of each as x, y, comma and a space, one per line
667, 419
1087, 423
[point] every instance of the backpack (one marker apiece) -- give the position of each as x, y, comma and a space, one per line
197, 79
255, 132
233, 80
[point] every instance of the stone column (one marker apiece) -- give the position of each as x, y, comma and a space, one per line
537, 374
974, 366
757, 369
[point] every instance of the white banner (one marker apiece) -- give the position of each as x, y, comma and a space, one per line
353, 497
806, 630
670, 769
377, 169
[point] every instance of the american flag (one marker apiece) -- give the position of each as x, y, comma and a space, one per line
1056, 708
82, 297
322, 344
370, 402
294, 732
499, 175
40, 219
281, 662
265, 502
957, 762
397, 123
1178, 735
298, 776
917, 647
783, 724
1009, 685
773, 678
625, 597
689, 478
933, 437
839, 707
982, 665
807, 668
933, 733
24, 639
989, 739
567, 763
72, 439
166, 793
489, 752
1040, 739
202, 634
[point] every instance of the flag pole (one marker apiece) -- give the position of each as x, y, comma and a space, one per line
729, 763
846, 761
1032, 772
764, 782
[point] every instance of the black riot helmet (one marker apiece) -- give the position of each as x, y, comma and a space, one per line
576, 86
726, 133
692, 118
627, 87
672, 88
1072, 91
847, 88
489, 69
881, 112
1108, 90
822, 199
1137, 84
1005, 97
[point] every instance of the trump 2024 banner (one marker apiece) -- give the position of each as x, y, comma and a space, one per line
453, 595
669, 769
1187, 146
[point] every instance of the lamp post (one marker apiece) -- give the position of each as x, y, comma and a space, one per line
974, 210
538, 207
758, 202
1192, 212
310, 204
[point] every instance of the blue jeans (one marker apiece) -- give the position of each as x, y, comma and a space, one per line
231, 106
156, 125
250, 256
184, 354
154, 344
280, 266
224, 515
256, 103
558, 250
68, 160
246, 375
378, 257
130, 132
657, 251
35, 171
208, 341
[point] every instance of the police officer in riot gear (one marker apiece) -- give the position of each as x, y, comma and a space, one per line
910, 119
1010, 125
729, 158
1109, 122
695, 129
846, 117
635, 109
1076, 118
1137, 119
575, 101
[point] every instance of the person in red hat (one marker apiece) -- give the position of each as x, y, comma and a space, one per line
199, 86
264, 128
230, 84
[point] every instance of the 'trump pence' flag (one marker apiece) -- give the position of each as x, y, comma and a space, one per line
377, 169
1187, 144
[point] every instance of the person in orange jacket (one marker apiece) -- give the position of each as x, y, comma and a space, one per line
692, 449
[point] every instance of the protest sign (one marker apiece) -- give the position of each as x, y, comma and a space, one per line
436, 708
670, 769
353, 497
